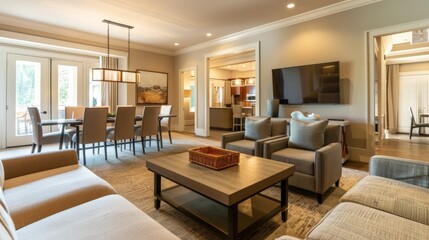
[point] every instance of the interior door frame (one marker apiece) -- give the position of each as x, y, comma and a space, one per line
181, 114
205, 130
371, 35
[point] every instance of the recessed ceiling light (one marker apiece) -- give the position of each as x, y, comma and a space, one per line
208, 34
290, 5
176, 44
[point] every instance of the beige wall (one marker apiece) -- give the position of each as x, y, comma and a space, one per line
339, 37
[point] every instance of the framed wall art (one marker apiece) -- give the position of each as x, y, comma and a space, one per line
153, 88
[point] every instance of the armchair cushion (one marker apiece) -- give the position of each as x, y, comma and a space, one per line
257, 128
302, 159
309, 136
244, 146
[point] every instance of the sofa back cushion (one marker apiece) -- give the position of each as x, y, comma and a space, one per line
305, 135
7, 228
278, 126
257, 128
1, 175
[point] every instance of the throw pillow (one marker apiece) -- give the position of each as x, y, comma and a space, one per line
306, 135
257, 128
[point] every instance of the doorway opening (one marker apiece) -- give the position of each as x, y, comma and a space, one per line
188, 100
400, 79
231, 77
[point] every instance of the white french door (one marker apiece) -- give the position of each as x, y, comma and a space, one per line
41, 82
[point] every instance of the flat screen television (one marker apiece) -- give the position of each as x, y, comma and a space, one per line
309, 84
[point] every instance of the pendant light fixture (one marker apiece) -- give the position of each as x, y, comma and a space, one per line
108, 74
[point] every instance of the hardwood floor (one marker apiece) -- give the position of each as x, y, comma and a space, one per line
399, 145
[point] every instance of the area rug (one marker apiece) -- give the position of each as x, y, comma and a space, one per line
130, 177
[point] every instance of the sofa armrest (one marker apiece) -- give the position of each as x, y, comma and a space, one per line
274, 146
406, 170
328, 166
231, 137
259, 144
27, 164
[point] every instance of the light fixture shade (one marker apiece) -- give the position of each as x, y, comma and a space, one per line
106, 75
250, 82
130, 77
236, 83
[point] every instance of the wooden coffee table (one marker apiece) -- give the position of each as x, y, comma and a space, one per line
213, 197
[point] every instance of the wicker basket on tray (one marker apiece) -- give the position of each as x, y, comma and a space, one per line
214, 158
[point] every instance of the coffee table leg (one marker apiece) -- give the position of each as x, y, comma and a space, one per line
157, 190
284, 198
233, 221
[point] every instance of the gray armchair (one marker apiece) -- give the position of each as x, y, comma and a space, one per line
257, 131
315, 151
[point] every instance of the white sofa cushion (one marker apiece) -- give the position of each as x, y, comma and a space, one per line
396, 197
353, 221
7, 228
109, 217
35, 196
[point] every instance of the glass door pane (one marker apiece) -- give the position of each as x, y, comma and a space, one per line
28, 85
66, 86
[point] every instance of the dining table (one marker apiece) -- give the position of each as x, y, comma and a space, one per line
64, 122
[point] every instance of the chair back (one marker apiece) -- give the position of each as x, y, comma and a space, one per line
94, 124
76, 112
237, 111
150, 121
413, 120
35, 122
124, 122
165, 110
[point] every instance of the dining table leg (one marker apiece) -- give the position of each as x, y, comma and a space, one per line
77, 140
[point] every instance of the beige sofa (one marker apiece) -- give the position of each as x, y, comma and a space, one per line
391, 203
51, 196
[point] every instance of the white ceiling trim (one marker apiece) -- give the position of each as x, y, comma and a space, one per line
318, 13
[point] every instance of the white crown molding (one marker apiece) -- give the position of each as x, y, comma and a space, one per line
318, 13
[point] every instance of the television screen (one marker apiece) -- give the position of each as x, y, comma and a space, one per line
309, 84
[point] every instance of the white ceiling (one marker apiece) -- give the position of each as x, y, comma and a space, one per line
158, 24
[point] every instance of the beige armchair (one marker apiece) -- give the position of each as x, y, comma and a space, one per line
315, 150
257, 131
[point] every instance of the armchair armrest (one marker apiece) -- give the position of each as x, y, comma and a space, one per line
259, 144
274, 146
406, 170
328, 166
231, 137
27, 164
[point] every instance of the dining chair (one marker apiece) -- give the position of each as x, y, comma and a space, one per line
73, 112
94, 129
414, 124
123, 128
40, 138
165, 122
149, 126
237, 117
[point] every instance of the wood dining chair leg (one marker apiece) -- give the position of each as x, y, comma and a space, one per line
169, 135
98, 148
116, 149
33, 148
105, 150
39, 148
93, 148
